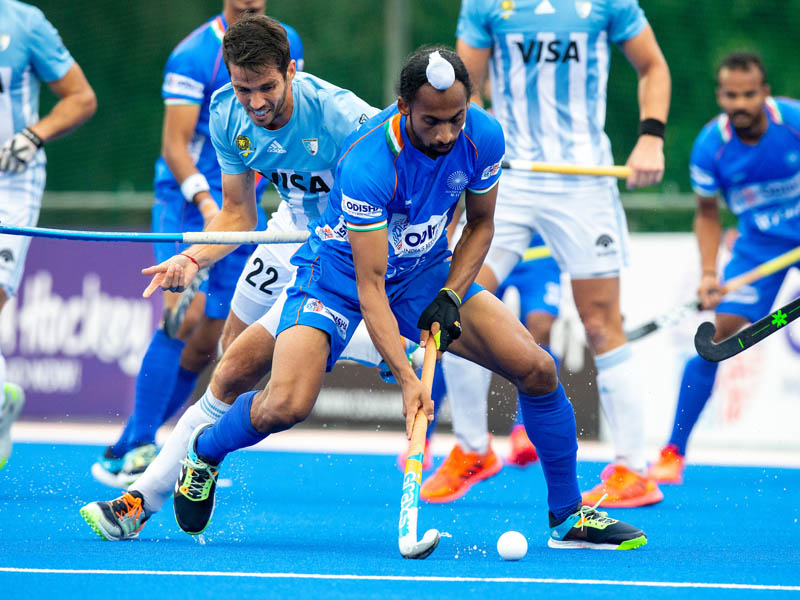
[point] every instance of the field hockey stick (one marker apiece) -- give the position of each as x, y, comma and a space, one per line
173, 317
187, 237
412, 480
621, 172
704, 338
677, 313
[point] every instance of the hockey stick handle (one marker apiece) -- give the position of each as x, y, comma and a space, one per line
774, 265
412, 478
618, 171
188, 237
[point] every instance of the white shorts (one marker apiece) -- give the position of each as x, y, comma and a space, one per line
585, 230
267, 273
20, 202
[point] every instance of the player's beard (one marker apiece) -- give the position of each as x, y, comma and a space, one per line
751, 127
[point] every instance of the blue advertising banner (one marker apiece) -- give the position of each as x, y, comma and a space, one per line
75, 335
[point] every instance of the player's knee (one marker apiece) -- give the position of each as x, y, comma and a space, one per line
227, 382
541, 377
280, 410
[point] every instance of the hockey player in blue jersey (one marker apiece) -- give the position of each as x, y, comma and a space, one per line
548, 63
31, 52
187, 196
379, 252
749, 155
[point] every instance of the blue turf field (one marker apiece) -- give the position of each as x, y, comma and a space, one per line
298, 525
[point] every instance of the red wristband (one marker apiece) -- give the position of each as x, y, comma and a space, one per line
191, 258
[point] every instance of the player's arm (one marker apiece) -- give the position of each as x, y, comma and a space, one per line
76, 104
647, 157
180, 121
471, 248
708, 230
370, 259
477, 61
239, 213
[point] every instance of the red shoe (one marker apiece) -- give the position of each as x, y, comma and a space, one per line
522, 451
459, 472
669, 466
623, 488
427, 459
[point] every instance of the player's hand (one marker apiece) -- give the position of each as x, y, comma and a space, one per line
646, 162
709, 291
173, 275
415, 395
207, 206
444, 311
18, 151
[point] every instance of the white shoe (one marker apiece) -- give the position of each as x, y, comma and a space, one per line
13, 401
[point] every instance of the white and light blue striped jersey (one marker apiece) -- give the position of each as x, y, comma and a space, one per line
760, 183
31, 51
549, 73
300, 157
193, 72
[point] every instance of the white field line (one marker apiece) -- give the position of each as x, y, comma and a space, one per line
339, 441
412, 578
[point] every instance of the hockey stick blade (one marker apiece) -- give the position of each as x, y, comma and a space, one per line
747, 337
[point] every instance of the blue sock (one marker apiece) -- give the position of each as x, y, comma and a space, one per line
696, 386
184, 386
518, 418
234, 430
158, 372
550, 424
438, 392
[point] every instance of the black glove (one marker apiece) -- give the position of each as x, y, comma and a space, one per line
443, 310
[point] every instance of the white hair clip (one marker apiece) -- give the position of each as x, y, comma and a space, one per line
440, 72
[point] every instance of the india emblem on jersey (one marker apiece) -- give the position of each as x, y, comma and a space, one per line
5, 40
583, 8
311, 145
244, 145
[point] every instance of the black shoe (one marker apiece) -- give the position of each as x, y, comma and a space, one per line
193, 499
118, 519
589, 528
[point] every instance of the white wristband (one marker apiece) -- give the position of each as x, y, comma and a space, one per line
193, 185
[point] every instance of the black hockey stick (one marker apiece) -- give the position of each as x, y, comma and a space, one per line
704, 338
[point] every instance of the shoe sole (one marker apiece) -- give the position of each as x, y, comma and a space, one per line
94, 521
631, 544
105, 477
485, 474
652, 497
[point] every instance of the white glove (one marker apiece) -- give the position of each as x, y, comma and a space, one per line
18, 151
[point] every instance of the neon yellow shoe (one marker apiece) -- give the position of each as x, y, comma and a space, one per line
592, 529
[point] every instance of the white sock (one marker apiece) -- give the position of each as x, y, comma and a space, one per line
622, 401
158, 482
468, 390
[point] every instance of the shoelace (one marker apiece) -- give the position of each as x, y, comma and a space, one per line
128, 506
199, 475
591, 511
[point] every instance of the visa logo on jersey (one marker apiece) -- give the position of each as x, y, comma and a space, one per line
549, 51
415, 239
315, 183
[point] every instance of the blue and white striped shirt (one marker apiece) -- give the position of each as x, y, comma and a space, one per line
549, 72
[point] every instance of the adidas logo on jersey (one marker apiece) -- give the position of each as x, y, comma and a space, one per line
276, 147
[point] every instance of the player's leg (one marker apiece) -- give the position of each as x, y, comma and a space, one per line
737, 310
497, 340
20, 200
472, 459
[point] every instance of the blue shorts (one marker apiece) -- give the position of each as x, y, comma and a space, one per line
753, 301
170, 214
538, 282
327, 299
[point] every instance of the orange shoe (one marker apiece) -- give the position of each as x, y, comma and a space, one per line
522, 450
623, 489
669, 466
459, 472
427, 459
